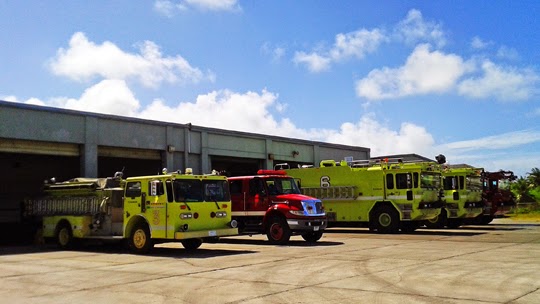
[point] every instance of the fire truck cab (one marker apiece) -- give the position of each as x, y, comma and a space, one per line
270, 203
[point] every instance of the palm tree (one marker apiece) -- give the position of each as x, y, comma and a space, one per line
534, 177
520, 188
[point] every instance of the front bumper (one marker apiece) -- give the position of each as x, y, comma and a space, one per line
306, 225
205, 233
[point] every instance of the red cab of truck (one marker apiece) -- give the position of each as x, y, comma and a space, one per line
270, 203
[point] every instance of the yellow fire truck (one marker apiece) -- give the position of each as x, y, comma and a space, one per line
386, 195
463, 195
143, 210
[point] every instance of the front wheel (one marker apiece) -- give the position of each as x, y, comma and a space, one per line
64, 236
384, 219
312, 237
438, 222
139, 240
278, 231
191, 244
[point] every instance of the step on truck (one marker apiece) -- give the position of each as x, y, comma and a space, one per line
385, 195
462, 196
143, 211
270, 203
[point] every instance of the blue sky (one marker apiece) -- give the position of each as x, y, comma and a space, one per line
460, 78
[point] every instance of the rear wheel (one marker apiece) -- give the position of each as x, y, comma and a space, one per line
191, 244
64, 235
278, 231
312, 237
438, 222
408, 227
485, 219
454, 223
384, 219
139, 240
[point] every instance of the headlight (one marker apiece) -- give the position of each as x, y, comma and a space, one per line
186, 215
297, 212
221, 214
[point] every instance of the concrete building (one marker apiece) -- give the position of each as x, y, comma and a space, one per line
37, 143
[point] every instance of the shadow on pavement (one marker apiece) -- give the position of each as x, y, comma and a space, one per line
176, 252
292, 243
420, 231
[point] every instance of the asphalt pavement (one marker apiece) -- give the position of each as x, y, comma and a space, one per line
496, 263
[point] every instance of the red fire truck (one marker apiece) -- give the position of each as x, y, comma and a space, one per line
498, 198
270, 203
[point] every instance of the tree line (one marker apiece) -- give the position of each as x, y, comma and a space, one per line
527, 189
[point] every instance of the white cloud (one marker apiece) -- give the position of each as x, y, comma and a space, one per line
167, 8
502, 83
509, 53
477, 43
368, 132
85, 60
275, 52
107, 97
414, 29
424, 72
350, 45
170, 8
315, 62
496, 142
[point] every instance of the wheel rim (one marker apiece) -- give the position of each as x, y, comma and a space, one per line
63, 236
434, 220
139, 238
276, 231
385, 219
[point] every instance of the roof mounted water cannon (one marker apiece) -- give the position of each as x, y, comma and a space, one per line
441, 159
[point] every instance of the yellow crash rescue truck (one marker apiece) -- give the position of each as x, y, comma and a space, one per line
462, 195
143, 210
385, 195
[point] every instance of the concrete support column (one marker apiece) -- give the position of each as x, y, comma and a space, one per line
205, 159
268, 163
89, 150
316, 155
187, 146
168, 160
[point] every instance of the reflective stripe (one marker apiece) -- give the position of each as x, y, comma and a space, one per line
248, 213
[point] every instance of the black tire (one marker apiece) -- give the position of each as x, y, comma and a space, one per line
439, 222
313, 236
408, 227
64, 236
278, 231
454, 223
191, 244
384, 219
485, 219
140, 241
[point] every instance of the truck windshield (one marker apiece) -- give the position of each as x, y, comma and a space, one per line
195, 190
430, 180
278, 186
474, 183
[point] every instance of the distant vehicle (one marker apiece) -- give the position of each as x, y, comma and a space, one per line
270, 203
498, 198
462, 195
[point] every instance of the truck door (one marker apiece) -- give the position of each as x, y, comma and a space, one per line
238, 196
257, 197
156, 208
